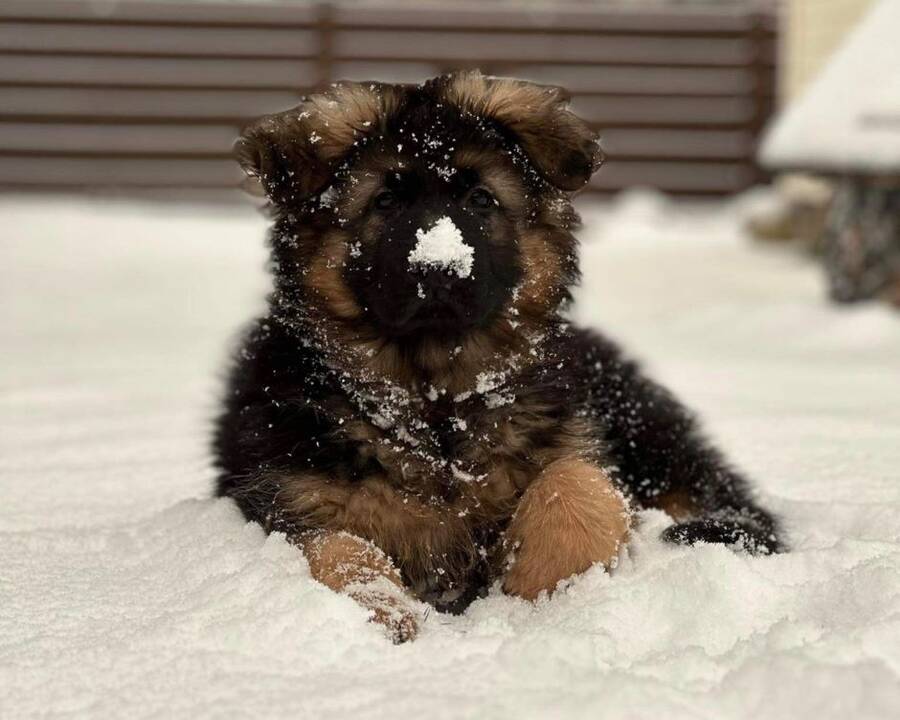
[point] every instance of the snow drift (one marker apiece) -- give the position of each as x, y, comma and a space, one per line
126, 592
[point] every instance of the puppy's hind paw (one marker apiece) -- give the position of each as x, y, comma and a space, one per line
723, 532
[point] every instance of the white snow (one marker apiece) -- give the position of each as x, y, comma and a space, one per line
442, 246
848, 119
126, 592
329, 197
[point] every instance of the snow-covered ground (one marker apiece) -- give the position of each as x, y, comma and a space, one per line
125, 591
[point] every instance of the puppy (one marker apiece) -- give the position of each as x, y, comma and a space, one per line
414, 412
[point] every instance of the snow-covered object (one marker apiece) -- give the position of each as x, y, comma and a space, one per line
125, 592
442, 247
848, 119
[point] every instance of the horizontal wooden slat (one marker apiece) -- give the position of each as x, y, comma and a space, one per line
643, 80
278, 14
187, 104
464, 15
557, 18
156, 40
674, 177
615, 110
541, 47
578, 79
215, 140
25, 70
113, 172
137, 72
671, 144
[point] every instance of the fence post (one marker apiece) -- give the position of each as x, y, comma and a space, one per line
325, 32
761, 72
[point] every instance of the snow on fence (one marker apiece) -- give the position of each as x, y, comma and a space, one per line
96, 93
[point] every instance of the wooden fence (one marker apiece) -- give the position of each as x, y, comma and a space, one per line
151, 95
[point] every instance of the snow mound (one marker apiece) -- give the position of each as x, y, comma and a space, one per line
125, 592
848, 119
442, 247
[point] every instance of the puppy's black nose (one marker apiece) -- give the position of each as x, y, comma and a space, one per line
440, 281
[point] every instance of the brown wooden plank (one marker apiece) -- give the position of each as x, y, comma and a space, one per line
578, 79
171, 194
109, 139
612, 79
208, 105
551, 18
299, 75
155, 72
674, 177
277, 14
540, 47
500, 65
464, 16
665, 111
722, 145
114, 172
150, 40
589, 194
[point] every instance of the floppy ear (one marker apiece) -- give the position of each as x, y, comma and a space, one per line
559, 144
295, 153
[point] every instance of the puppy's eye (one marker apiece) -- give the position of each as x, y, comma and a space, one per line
385, 200
481, 199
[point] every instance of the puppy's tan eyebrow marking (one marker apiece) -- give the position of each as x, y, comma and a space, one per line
368, 173
496, 172
360, 186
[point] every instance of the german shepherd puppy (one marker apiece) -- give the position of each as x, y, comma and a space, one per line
414, 412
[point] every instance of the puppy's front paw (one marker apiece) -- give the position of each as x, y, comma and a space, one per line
570, 518
394, 611
349, 564
401, 622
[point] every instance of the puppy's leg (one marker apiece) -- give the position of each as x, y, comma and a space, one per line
356, 567
568, 519
667, 463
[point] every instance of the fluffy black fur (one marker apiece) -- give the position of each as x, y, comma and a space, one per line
276, 420
294, 390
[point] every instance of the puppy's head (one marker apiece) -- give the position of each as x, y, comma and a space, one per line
421, 218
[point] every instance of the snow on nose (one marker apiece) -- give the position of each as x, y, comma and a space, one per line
442, 247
